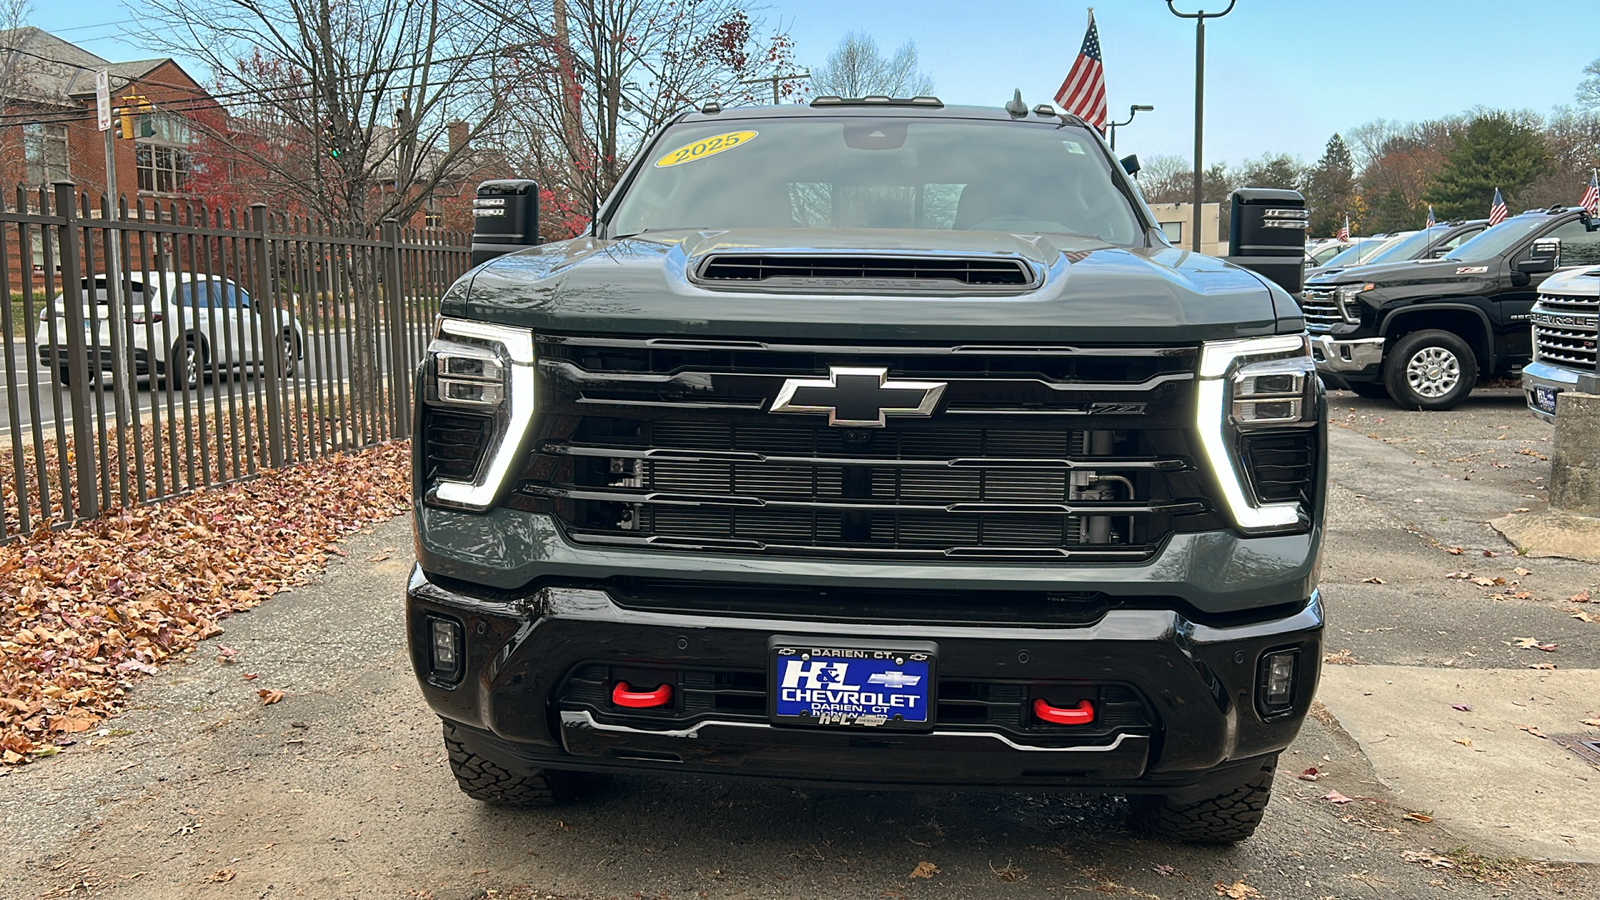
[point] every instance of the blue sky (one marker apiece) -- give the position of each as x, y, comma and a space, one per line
1281, 75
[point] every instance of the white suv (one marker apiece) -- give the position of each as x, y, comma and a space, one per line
197, 323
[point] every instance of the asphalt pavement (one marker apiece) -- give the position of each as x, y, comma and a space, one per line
342, 789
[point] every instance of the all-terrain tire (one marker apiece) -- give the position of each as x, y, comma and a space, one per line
1226, 819
1431, 370
483, 779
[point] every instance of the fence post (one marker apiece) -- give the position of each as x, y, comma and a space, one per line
399, 378
261, 263
72, 299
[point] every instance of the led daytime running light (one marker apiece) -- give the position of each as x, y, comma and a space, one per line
1218, 360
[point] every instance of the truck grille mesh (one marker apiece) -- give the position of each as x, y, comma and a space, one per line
1564, 329
1036, 453
1319, 308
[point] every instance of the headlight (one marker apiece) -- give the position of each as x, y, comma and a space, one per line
478, 399
1249, 388
1346, 295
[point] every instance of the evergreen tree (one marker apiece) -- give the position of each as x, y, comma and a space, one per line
1330, 186
1392, 212
1494, 150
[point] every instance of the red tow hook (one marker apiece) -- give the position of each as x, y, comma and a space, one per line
1082, 714
624, 695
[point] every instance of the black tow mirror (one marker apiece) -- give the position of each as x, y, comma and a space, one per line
1267, 234
1130, 164
1542, 258
505, 218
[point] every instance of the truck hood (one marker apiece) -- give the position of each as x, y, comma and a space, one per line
1427, 274
1088, 291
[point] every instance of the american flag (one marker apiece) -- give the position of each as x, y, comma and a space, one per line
1084, 92
1591, 194
1497, 212
1431, 221
1344, 232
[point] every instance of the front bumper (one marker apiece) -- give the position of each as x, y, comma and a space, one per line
1555, 379
532, 692
1340, 362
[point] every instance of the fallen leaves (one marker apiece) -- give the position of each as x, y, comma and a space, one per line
1336, 798
1373, 580
269, 696
1530, 643
1427, 858
1592, 723
1236, 891
1310, 774
221, 876
924, 869
1465, 742
1424, 818
1580, 597
92, 607
1533, 731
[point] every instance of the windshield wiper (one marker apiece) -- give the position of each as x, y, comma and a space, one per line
667, 228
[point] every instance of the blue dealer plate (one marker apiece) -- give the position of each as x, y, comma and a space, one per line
1545, 399
831, 684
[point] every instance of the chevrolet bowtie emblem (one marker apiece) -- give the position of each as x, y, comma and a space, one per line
858, 397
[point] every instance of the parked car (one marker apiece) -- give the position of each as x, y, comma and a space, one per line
1565, 321
1360, 252
1429, 243
1319, 253
199, 323
1424, 332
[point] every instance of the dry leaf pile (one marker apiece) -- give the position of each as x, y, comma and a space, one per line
90, 608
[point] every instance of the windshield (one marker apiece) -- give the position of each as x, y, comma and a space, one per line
1408, 247
1323, 254
1358, 253
859, 172
1492, 242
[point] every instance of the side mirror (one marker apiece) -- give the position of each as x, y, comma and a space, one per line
1542, 258
1130, 164
505, 218
1440, 252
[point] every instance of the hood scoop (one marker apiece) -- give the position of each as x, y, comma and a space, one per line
865, 273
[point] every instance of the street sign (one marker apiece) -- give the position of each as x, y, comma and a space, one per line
102, 99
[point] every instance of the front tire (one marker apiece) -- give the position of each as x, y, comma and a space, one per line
1432, 370
1225, 819
483, 779
184, 363
289, 354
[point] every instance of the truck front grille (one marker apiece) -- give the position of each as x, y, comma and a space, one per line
1057, 453
1564, 330
1319, 308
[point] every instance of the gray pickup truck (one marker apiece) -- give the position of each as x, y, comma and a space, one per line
872, 442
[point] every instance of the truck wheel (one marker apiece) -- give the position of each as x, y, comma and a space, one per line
1372, 390
1219, 820
482, 779
1432, 370
64, 375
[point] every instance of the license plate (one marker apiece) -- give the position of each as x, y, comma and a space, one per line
1545, 399
827, 682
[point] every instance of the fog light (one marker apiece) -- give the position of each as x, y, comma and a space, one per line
1275, 686
444, 649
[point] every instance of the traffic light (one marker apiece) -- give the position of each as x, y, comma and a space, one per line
331, 138
136, 119
122, 118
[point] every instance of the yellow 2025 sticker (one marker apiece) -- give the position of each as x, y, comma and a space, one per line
705, 147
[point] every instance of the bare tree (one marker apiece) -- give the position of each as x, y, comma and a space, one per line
343, 109
857, 68
591, 79
342, 105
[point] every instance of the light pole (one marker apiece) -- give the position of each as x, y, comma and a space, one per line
1199, 103
1132, 111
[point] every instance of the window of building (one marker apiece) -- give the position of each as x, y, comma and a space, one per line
1173, 231
162, 154
162, 169
44, 147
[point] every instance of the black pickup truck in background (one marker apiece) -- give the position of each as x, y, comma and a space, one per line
1424, 332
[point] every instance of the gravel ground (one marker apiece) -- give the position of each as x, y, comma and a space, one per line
342, 790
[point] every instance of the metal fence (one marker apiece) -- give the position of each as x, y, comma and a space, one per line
197, 347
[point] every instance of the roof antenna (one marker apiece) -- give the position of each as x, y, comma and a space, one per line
1016, 107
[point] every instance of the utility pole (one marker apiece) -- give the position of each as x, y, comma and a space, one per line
1199, 104
778, 80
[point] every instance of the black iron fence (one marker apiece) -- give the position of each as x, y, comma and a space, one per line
157, 349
